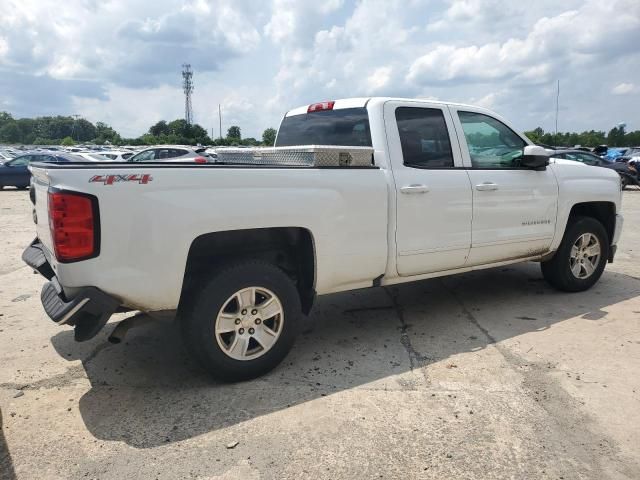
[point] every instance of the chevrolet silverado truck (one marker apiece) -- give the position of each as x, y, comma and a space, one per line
239, 251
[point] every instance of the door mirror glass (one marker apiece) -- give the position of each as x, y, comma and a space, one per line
534, 157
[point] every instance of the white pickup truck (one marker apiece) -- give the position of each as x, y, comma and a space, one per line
240, 251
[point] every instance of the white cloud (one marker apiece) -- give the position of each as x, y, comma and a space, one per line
553, 44
379, 79
120, 61
624, 89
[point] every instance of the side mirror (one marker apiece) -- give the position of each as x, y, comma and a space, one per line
535, 157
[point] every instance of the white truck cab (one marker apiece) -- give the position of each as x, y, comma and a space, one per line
240, 249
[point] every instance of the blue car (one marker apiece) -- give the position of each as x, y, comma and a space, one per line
14, 173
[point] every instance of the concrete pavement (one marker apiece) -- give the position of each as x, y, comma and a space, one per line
491, 374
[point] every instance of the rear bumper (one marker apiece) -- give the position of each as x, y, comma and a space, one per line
88, 311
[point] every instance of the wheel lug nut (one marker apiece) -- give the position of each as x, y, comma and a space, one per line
254, 311
258, 321
251, 331
244, 312
237, 321
241, 331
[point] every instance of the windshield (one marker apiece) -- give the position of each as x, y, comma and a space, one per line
345, 127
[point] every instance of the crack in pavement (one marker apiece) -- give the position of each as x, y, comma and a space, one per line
574, 429
415, 357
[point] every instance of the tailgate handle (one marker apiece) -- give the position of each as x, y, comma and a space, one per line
414, 188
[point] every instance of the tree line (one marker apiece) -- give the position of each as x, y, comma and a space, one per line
617, 137
66, 130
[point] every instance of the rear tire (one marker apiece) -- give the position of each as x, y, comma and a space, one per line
580, 260
221, 323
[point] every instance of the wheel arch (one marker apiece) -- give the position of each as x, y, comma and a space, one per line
290, 248
604, 212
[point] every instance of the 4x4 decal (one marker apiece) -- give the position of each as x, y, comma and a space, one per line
141, 178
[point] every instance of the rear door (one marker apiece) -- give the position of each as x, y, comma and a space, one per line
433, 193
514, 208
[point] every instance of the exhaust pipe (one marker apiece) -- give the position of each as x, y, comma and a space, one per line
118, 333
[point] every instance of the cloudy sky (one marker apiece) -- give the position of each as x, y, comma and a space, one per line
119, 61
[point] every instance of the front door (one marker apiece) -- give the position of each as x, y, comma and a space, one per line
514, 208
433, 193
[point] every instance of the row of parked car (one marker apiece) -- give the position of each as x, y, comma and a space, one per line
14, 163
625, 162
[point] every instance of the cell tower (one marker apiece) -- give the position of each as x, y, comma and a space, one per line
187, 87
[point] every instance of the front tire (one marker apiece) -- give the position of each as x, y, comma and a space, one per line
580, 260
243, 321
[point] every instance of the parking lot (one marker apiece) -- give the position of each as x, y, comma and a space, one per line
490, 374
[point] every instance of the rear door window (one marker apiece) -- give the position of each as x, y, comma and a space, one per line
424, 137
177, 152
342, 127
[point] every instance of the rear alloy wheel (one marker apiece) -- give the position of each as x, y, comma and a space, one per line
243, 321
249, 323
581, 257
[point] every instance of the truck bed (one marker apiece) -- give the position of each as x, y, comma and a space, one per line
151, 213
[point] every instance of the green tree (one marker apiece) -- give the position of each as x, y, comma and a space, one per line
197, 134
5, 117
179, 127
269, 136
68, 142
616, 135
160, 128
105, 133
233, 134
10, 133
83, 130
535, 135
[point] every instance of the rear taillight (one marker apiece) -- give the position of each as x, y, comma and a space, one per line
318, 107
73, 220
200, 160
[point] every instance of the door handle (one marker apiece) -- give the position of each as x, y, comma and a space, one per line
487, 186
414, 188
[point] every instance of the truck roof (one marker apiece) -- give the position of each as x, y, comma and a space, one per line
359, 102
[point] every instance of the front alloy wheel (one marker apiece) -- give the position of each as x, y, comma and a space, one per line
585, 256
581, 257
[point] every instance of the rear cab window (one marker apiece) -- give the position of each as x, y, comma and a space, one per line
342, 127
